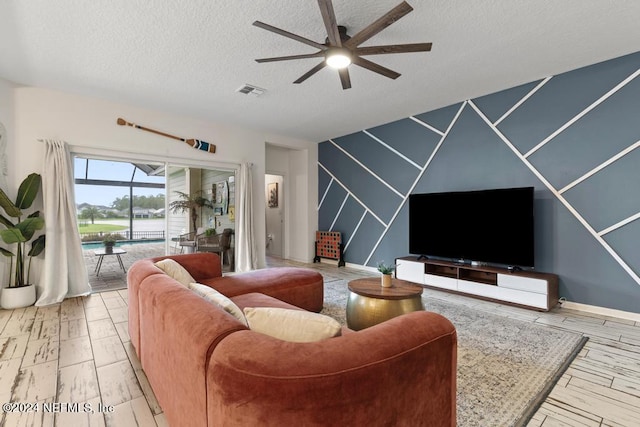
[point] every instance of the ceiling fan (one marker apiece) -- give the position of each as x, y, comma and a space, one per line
340, 50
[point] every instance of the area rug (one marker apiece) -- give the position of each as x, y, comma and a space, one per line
506, 367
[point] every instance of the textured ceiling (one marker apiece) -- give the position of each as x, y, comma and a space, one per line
189, 57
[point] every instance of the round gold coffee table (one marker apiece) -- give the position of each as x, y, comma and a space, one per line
369, 303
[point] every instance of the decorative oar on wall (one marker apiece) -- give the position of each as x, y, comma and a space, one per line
195, 143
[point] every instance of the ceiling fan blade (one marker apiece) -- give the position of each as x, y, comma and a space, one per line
287, 58
372, 66
330, 23
311, 72
344, 78
380, 24
393, 48
289, 35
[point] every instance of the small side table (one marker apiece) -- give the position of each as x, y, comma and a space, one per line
369, 303
101, 253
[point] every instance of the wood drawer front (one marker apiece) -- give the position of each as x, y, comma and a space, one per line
521, 283
410, 271
441, 282
515, 296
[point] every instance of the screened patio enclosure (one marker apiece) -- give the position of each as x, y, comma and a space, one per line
121, 192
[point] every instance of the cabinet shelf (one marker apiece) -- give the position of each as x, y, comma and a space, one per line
523, 288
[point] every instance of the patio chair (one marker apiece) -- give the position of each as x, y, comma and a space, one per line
217, 243
189, 240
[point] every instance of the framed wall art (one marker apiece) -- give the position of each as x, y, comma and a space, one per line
272, 191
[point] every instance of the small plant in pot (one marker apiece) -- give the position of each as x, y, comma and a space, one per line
109, 242
17, 233
387, 271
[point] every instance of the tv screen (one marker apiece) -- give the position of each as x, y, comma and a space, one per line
488, 226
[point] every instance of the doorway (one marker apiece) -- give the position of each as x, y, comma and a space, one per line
274, 214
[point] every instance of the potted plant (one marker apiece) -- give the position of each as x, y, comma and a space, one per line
109, 242
387, 271
191, 203
20, 292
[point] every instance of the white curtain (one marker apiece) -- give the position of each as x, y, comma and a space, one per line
245, 241
64, 274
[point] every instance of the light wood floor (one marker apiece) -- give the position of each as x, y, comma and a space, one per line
79, 351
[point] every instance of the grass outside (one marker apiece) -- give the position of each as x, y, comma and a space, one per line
100, 228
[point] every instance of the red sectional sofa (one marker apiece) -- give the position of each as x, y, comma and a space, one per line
206, 368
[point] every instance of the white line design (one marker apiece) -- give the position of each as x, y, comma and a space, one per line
427, 125
352, 195
355, 230
559, 196
326, 191
601, 166
391, 148
415, 182
583, 113
619, 224
372, 173
519, 103
338, 213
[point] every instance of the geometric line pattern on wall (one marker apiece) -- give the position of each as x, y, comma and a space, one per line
396, 152
582, 113
372, 173
556, 192
428, 126
352, 195
339, 211
326, 191
422, 171
573, 136
600, 167
521, 101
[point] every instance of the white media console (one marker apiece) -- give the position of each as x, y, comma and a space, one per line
524, 288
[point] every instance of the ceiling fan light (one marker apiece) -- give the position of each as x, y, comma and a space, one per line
338, 60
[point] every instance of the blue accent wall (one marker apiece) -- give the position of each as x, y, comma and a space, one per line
573, 137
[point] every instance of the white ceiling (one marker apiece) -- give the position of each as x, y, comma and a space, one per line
189, 57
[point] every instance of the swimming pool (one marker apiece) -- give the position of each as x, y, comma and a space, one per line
97, 245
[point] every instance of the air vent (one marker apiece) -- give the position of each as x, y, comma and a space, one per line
248, 89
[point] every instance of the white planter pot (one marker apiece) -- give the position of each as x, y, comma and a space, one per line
18, 297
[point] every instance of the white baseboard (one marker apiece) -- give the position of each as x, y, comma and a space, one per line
603, 311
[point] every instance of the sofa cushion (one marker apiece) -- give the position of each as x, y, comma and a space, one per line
175, 270
216, 297
291, 325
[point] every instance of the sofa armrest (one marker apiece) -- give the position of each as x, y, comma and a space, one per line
400, 372
201, 265
178, 331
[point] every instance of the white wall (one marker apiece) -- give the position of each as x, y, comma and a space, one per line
299, 168
89, 124
7, 119
275, 217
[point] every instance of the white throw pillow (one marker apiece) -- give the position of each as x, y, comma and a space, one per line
292, 325
175, 270
216, 297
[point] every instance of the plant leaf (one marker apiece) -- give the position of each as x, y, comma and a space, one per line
37, 246
30, 226
6, 253
12, 235
28, 191
8, 206
5, 221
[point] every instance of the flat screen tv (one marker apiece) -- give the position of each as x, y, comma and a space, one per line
487, 226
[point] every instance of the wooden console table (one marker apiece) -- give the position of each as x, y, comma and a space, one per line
524, 288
